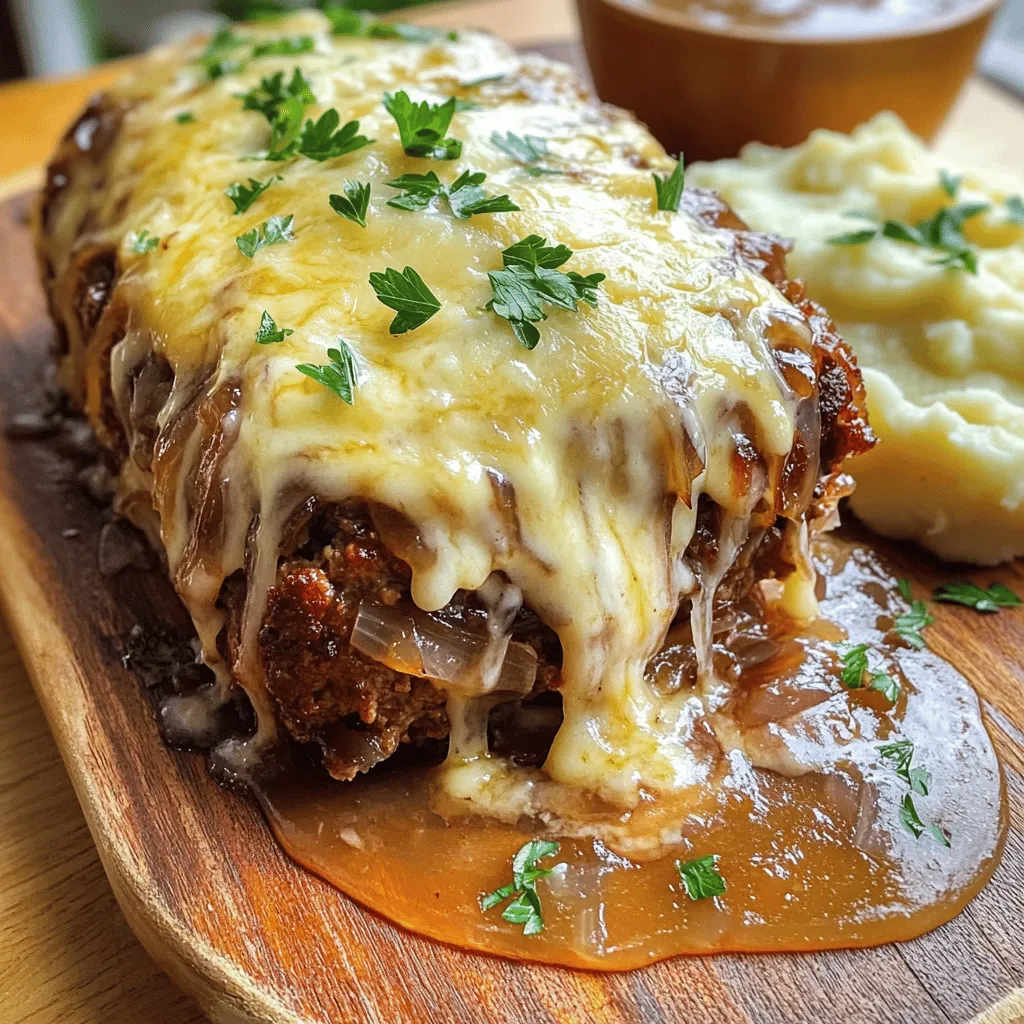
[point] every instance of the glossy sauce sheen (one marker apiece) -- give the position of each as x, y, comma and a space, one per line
818, 18
813, 861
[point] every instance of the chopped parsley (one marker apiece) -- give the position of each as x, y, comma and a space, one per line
464, 196
903, 586
912, 822
270, 232
942, 232
251, 10
284, 47
340, 375
950, 182
525, 909
856, 668
407, 294
528, 150
980, 599
898, 756
354, 203
143, 241
1015, 209
217, 59
530, 279
244, 195
272, 93
324, 140
185, 117
269, 333
669, 189
347, 22
422, 126
909, 625
700, 877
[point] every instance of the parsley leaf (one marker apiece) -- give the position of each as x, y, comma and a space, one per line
323, 140
919, 779
886, 686
855, 664
284, 47
911, 622
528, 150
270, 232
269, 333
853, 237
244, 195
700, 877
898, 756
526, 908
903, 586
354, 203
670, 188
1015, 209
909, 817
422, 126
347, 22
464, 196
407, 294
270, 95
217, 57
530, 279
972, 596
143, 242
950, 183
251, 10
185, 117
340, 375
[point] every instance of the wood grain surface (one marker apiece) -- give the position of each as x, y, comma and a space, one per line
67, 955
254, 938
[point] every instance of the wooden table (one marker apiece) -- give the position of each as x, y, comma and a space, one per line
66, 953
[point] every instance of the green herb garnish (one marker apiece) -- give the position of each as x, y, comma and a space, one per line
347, 22
528, 150
950, 183
531, 279
284, 106
464, 196
244, 195
270, 232
354, 203
340, 375
407, 294
855, 668
185, 117
251, 10
972, 596
269, 333
217, 58
912, 822
853, 237
911, 622
142, 242
670, 188
1015, 209
525, 909
422, 126
285, 47
700, 877
323, 140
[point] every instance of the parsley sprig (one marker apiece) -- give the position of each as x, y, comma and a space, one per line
857, 669
340, 375
269, 333
219, 56
284, 47
669, 190
525, 909
942, 232
143, 241
243, 195
422, 126
979, 598
272, 231
464, 196
354, 203
700, 877
347, 22
909, 625
528, 150
324, 140
408, 295
531, 279
898, 755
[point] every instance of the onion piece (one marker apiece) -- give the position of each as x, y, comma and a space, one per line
414, 642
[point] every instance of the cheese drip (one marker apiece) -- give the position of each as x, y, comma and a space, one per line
568, 476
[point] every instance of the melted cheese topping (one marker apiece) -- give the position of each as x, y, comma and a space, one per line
565, 468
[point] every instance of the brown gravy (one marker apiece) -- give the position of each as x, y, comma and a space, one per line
815, 861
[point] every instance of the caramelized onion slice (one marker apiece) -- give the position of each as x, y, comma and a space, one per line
419, 644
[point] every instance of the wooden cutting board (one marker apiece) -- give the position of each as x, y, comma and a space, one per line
255, 938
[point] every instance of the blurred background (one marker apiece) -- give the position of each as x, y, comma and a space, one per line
56, 37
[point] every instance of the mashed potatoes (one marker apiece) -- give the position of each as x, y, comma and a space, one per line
942, 349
